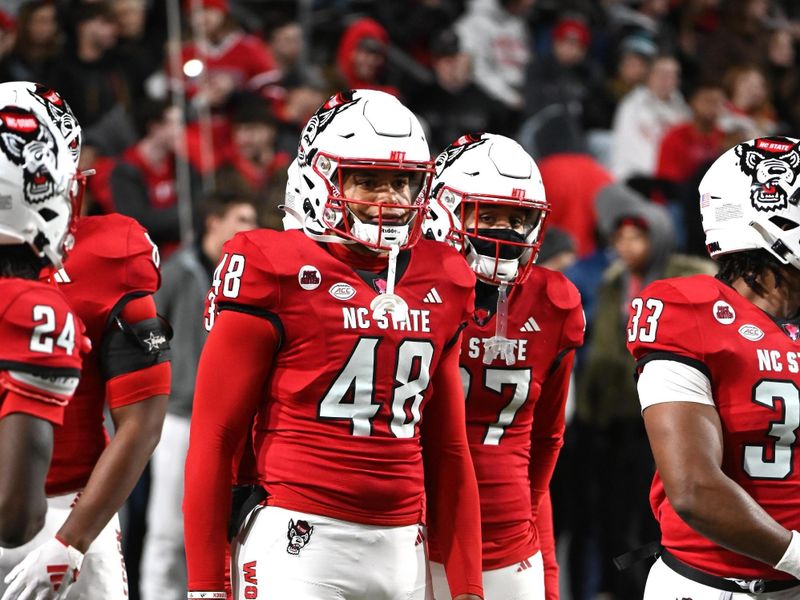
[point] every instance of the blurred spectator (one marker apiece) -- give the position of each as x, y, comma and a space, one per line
741, 38
566, 74
286, 44
143, 179
297, 106
495, 33
139, 50
646, 17
361, 58
222, 58
749, 109
634, 57
8, 35
642, 118
784, 79
611, 433
687, 146
38, 43
89, 78
250, 161
557, 251
186, 278
572, 182
454, 103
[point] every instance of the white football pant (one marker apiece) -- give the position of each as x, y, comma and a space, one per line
665, 584
520, 581
327, 559
102, 574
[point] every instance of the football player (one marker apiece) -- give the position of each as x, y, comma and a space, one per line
720, 390
41, 337
108, 279
330, 336
488, 202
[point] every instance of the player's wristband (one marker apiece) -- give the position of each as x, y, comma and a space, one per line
207, 595
790, 561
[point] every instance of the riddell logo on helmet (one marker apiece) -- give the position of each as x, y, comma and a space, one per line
773, 165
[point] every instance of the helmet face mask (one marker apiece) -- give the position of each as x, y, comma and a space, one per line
480, 178
362, 131
750, 199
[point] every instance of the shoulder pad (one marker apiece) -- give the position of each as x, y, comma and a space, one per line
693, 289
561, 291
449, 261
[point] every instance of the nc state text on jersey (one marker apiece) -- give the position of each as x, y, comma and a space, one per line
771, 360
359, 318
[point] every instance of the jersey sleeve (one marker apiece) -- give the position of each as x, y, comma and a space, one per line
663, 324
244, 281
40, 357
142, 274
565, 296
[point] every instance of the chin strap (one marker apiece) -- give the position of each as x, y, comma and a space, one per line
388, 302
499, 344
304, 219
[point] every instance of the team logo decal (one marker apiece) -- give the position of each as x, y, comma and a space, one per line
456, 149
342, 291
751, 332
773, 165
27, 143
62, 116
309, 277
321, 119
299, 534
792, 330
724, 313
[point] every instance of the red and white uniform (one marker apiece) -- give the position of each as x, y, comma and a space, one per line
752, 366
515, 413
113, 262
41, 340
338, 431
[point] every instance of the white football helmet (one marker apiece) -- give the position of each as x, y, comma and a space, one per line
749, 200
479, 170
361, 130
49, 105
39, 184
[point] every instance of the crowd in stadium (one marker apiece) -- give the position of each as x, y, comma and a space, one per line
191, 111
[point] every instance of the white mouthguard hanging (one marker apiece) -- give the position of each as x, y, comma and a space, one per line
388, 302
499, 344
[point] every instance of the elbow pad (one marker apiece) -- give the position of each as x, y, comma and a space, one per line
129, 347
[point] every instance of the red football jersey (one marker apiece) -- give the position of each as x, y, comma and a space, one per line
753, 367
338, 431
41, 340
112, 261
545, 315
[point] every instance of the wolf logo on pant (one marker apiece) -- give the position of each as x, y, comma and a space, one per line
299, 534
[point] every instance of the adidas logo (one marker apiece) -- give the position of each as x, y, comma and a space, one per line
433, 297
530, 326
525, 564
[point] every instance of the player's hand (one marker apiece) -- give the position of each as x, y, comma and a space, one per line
41, 574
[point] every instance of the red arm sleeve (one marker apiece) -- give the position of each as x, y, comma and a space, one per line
547, 433
547, 543
130, 388
242, 346
450, 479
